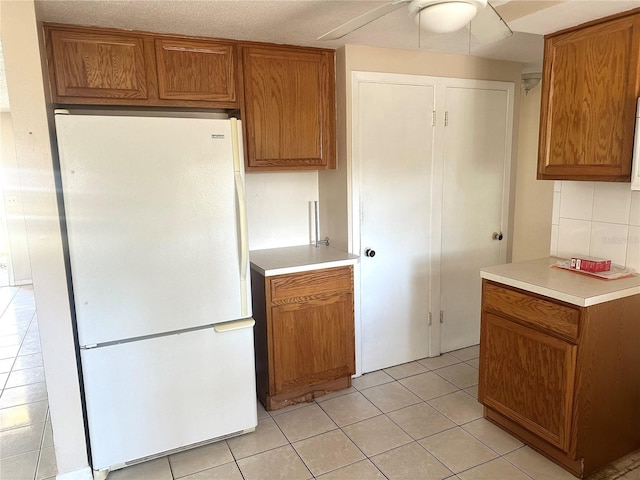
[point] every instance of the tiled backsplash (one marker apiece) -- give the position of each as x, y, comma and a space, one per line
599, 219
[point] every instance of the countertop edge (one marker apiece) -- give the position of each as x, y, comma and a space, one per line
303, 268
559, 295
530, 287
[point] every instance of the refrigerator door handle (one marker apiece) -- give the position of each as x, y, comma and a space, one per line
242, 214
234, 325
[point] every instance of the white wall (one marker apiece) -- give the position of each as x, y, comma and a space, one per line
17, 245
21, 48
534, 198
280, 208
600, 219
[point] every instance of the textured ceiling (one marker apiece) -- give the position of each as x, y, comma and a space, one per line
301, 22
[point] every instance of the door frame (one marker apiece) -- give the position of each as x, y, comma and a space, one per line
354, 175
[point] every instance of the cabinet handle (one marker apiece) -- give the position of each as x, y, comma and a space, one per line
498, 236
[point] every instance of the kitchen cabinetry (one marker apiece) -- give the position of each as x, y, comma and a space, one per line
563, 378
96, 66
591, 80
289, 107
287, 97
196, 70
304, 334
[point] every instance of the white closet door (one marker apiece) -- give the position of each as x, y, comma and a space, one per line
393, 143
477, 149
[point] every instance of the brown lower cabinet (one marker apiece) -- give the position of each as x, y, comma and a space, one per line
564, 379
304, 334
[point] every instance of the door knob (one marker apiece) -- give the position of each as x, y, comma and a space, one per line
497, 236
369, 252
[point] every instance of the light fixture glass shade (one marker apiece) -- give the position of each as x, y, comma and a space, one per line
445, 17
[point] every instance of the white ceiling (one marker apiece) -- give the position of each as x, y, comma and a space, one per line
301, 22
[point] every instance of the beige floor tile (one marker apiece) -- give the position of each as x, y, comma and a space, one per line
391, 396
410, 462
339, 393
468, 353
458, 406
262, 413
201, 458
19, 467
457, 449
406, 370
357, 471
228, 471
460, 374
632, 475
47, 438
22, 415
428, 385
497, 469
28, 361
377, 435
36, 392
537, 466
20, 440
266, 437
350, 408
280, 463
440, 361
327, 452
157, 469
304, 423
371, 380
493, 436
6, 364
473, 391
25, 377
47, 466
475, 362
421, 420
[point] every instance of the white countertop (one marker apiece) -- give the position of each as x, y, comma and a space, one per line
537, 276
302, 258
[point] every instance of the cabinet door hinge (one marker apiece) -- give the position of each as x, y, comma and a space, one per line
446, 119
430, 319
433, 120
441, 316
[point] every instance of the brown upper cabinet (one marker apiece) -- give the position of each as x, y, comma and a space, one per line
195, 70
591, 81
99, 66
286, 94
289, 107
110, 66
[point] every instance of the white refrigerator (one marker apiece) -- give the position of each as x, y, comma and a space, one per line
155, 219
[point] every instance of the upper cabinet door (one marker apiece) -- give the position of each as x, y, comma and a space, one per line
591, 80
289, 111
196, 70
98, 65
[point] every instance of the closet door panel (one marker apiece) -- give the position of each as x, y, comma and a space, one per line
477, 151
394, 143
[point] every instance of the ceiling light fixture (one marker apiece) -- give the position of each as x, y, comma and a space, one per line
444, 16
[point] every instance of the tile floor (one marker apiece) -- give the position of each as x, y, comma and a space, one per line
26, 440
415, 421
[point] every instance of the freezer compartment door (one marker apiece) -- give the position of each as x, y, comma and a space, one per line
151, 396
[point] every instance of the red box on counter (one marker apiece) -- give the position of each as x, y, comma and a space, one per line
590, 264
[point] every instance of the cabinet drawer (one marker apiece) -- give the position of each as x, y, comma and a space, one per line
330, 281
533, 311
